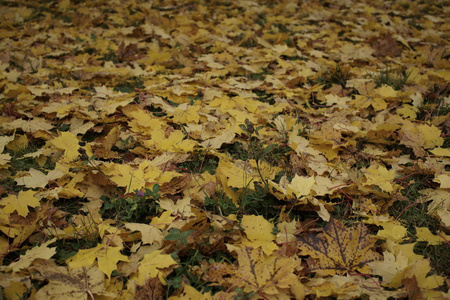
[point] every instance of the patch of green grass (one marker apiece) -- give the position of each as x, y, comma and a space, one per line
200, 162
72, 206
414, 214
272, 153
338, 75
394, 77
261, 19
19, 162
220, 204
66, 248
295, 57
259, 201
192, 259
156, 111
439, 256
177, 236
136, 207
111, 56
257, 76
342, 209
235, 150
434, 103
281, 27
256, 201
249, 42
185, 273
253, 147
414, 211
130, 85
264, 97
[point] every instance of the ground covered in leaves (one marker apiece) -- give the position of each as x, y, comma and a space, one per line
224, 149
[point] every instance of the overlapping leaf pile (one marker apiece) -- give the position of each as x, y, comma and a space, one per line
222, 149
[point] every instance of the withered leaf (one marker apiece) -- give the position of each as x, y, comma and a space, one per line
152, 289
73, 284
339, 249
257, 272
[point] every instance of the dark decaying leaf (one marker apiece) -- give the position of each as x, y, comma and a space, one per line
339, 249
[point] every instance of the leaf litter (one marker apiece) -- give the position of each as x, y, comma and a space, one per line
224, 149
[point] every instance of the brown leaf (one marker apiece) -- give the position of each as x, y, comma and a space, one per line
385, 45
176, 185
413, 289
152, 289
127, 52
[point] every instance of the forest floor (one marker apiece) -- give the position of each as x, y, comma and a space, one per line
224, 149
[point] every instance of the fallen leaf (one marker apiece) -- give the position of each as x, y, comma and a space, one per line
150, 265
259, 232
42, 252
20, 202
37, 179
68, 142
268, 276
339, 250
71, 284
300, 186
107, 258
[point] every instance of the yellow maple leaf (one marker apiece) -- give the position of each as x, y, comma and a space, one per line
234, 176
438, 151
408, 111
71, 284
386, 91
175, 142
392, 229
186, 113
106, 256
424, 234
68, 142
37, 179
440, 205
4, 160
20, 202
269, 276
286, 232
163, 221
381, 177
444, 180
259, 233
421, 269
14, 285
181, 206
150, 234
338, 249
392, 268
191, 293
131, 177
151, 263
20, 142
225, 136
300, 186
42, 252
420, 136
